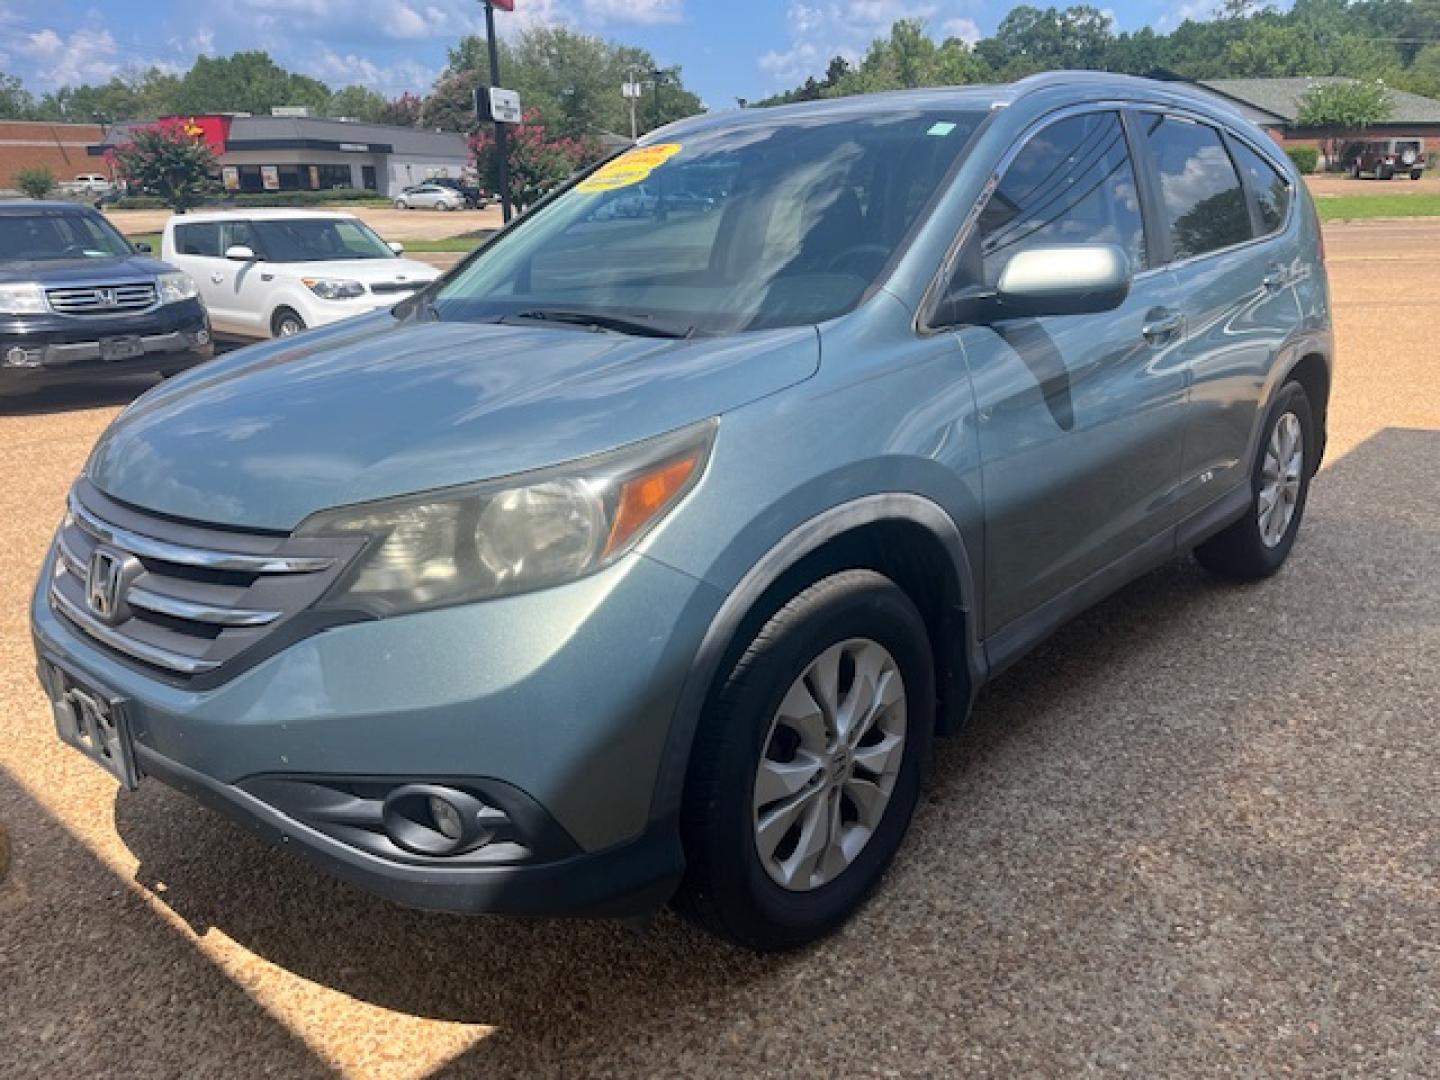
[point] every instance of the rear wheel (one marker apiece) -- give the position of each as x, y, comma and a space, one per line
1415, 174
1259, 543
1355, 170
807, 765
1384, 172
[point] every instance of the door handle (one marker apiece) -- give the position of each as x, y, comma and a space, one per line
218, 279
1162, 326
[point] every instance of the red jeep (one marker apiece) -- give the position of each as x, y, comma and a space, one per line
1386, 157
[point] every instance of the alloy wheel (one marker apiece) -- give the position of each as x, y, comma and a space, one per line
1280, 474
829, 765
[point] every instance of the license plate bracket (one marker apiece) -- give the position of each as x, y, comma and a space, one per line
121, 348
93, 722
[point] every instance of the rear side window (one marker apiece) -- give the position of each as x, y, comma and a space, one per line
1204, 204
1072, 183
199, 239
1271, 190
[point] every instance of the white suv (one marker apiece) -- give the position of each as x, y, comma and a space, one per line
272, 273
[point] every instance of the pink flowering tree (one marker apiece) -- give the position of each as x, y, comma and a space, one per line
538, 162
168, 159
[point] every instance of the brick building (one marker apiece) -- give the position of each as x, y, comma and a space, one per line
61, 148
1274, 104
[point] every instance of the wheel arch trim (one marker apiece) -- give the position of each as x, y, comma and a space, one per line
802, 541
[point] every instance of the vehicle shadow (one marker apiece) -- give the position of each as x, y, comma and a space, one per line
1097, 804
104, 394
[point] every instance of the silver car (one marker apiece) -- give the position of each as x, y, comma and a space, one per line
642, 558
429, 197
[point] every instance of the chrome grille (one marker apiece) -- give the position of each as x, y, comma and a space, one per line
380, 288
185, 599
103, 299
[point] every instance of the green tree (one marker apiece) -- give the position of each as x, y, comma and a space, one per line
37, 182
359, 103
15, 101
1343, 110
246, 82
137, 95
571, 81
162, 158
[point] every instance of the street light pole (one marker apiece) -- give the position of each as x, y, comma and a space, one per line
501, 140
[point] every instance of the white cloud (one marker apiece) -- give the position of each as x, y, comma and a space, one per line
822, 29
967, 30
89, 54
647, 12
345, 69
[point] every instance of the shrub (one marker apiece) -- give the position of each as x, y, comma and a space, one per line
37, 183
265, 198
1306, 158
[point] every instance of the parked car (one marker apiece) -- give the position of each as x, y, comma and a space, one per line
92, 184
274, 273
80, 303
1384, 158
475, 199
429, 197
638, 562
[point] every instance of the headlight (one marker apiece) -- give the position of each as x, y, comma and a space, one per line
22, 300
514, 535
176, 286
334, 288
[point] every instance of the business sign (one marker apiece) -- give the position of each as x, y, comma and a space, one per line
501, 106
270, 177
211, 130
355, 147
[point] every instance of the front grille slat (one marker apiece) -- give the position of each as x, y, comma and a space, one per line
187, 606
123, 299
382, 288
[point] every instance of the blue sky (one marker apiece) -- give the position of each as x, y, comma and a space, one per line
728, 48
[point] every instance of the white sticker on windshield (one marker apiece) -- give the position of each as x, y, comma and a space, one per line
944, 127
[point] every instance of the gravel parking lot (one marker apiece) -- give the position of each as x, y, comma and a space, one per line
1197, 832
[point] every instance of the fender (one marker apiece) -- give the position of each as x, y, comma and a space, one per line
794, 546
1300, 344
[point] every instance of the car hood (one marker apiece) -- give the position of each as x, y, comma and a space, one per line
59, 272
375, 407
366, 270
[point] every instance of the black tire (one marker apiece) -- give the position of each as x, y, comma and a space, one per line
727, 889
1416, 174
1355, 171
1384, 172
282, 318
1240, 550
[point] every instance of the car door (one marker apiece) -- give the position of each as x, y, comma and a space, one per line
199, 253
1080, 416
1225, 214
246, 285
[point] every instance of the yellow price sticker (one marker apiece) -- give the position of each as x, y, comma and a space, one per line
629, 168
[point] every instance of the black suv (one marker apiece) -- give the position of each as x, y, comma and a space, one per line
78, 301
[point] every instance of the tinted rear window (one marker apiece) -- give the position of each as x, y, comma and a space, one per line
1204, 204
1271, 190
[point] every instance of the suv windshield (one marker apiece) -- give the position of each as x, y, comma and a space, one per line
50, 237
318, 240
743, 227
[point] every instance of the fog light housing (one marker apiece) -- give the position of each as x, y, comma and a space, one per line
19, 357
201, 337
429, 819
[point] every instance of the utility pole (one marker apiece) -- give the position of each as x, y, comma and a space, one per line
655, 77
631, 91
502, 152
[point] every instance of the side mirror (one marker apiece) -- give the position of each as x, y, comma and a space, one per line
1078, 280
143, 248
397, 247
240, 253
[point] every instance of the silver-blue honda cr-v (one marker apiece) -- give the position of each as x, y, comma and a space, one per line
643, 554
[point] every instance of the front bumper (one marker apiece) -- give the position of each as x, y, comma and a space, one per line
564, 696
49, 349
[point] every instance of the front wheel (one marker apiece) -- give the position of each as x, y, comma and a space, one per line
401, 204
1259, 543
807, 765
286, 323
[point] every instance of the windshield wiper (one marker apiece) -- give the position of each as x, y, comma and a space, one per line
639, 326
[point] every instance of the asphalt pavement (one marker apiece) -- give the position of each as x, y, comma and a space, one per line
1195, 833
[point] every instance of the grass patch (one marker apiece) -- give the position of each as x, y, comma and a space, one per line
1360, 207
